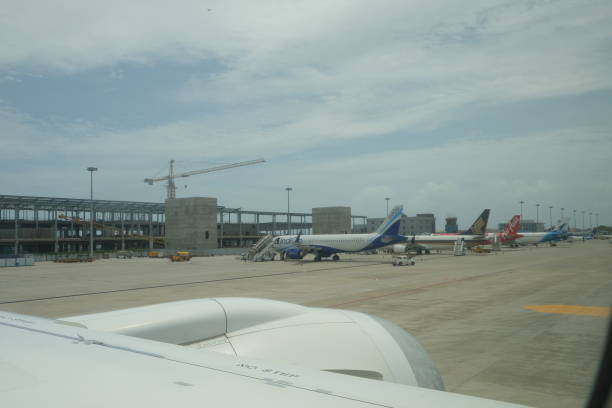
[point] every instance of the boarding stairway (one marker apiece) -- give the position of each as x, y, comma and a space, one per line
261, 250
459, 248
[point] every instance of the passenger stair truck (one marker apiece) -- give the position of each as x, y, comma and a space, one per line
262, 250
459, 248
496, 244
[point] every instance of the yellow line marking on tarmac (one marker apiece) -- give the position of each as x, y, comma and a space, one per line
596, 311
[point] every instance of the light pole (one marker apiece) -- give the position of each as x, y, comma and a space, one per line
91, 213
288, 211
550, 207
597, 219
221, 208
590, 220
537, 215
562, 213
575, 225
521, 203
583, 219
387, 198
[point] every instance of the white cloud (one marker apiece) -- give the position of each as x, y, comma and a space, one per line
307, 74
569, 168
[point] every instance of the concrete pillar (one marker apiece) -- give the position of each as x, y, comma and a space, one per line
221, 229
191, 223
331, 220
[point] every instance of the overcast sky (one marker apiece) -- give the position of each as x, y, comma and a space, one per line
444, 106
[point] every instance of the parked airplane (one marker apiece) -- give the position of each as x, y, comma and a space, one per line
475, 235
509, 233
583, 235
326, 245
219, 352
536, 238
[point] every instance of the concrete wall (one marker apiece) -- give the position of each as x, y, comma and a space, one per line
374, 223
331, 220
191, 223
422, 223
235, 229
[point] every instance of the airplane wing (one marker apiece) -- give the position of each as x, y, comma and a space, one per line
58, 364
413, 244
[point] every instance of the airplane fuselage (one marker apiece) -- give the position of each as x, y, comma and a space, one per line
328, 244
445, 240
538, 237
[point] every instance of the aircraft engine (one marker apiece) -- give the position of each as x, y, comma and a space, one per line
399, 248
294, 253
333, 340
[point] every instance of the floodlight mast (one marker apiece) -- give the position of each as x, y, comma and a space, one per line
171, 187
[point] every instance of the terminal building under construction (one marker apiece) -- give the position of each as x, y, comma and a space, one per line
63, 225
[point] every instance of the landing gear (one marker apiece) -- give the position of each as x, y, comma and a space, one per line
317, 258
335, 258
419, 252
427, 251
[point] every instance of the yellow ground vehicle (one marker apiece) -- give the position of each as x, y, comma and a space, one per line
180, 256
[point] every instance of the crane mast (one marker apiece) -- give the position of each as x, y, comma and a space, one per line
171, 186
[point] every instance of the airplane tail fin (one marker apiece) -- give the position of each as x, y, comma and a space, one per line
479, 227
390, 225
512, 227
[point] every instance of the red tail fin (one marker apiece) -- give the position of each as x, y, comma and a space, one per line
512, 227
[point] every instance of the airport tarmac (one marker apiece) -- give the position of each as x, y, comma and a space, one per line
482, 318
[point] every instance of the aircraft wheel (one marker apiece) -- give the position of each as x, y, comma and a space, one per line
318, 258
427, 251
335, 258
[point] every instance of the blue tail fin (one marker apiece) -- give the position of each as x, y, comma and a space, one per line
390, 225
479, 227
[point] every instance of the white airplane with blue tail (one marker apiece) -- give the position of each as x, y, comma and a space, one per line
329, 245
536, 238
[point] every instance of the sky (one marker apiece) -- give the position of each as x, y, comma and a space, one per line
443, 106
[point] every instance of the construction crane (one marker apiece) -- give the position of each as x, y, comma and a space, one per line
171, 187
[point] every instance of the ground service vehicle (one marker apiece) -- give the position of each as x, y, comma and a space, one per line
402, 260
181, 256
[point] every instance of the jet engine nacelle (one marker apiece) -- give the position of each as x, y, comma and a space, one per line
294, 253
334, 340
399, 248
